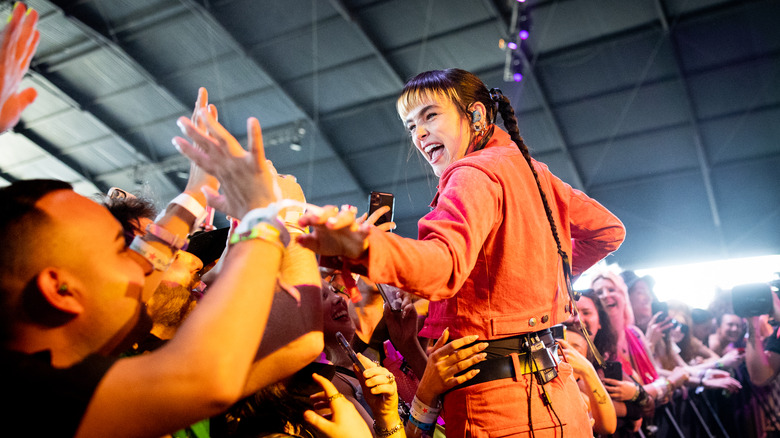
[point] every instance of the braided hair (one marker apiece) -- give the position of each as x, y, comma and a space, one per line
464, 88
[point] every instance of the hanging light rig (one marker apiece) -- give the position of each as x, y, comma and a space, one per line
518, 33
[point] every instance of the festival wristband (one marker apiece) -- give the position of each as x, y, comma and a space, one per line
189, 203
159, 259
425, 427
265, 215
173, 240
262, 231
424, 413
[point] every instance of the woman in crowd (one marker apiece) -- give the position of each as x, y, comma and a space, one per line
593, 316
492, 256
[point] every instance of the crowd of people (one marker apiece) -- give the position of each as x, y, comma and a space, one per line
121, 319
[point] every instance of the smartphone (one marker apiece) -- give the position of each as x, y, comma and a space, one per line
558, 331
394, 304
350, 352
662, 307
380, 199
613, 370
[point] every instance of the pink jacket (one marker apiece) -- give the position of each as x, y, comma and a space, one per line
485, 255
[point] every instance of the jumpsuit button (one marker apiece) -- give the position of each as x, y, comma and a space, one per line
532, 322
545, 318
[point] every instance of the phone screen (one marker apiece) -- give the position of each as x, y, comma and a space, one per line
394, 305
350, 352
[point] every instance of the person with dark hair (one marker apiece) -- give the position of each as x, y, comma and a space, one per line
729, 334
640, 292
493, 256
73, 294
596, 320
133, 213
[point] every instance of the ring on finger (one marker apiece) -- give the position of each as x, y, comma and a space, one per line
334, 397
390, 377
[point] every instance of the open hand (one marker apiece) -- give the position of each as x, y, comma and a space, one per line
246, 179
20, 39
445, 362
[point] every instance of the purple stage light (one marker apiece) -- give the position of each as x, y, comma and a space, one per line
517, 77
523, 34
512, 46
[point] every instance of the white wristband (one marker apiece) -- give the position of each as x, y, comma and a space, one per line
424, 413
253, 217
192, 205
159, 260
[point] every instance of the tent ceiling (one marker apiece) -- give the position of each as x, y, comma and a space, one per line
666, 111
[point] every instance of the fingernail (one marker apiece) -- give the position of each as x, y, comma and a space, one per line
483, 345
176, 145
473, 338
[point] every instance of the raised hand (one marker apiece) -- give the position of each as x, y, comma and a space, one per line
345, 421
334, 232
380, 392
198, 177
20, 39
445, 361
246, 180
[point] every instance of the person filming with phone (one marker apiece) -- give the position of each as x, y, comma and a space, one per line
494, 257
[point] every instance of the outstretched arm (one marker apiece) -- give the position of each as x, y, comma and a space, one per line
204, 368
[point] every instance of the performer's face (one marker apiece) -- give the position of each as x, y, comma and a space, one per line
439, 131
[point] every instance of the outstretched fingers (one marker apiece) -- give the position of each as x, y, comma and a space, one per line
194, 153
256, 148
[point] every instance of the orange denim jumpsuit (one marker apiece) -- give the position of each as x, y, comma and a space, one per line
486, 258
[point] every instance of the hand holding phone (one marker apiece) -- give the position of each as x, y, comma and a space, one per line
613, 370
390, 298
377, 200
350, 352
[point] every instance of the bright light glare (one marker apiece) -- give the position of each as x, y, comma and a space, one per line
695, 284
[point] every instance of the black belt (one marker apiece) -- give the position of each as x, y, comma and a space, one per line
503, 367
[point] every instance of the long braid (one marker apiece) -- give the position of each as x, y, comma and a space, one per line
510, 123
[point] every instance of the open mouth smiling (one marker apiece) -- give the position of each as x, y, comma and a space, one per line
433, 150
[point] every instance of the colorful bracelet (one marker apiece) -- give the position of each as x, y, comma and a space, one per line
264, 231
380, 432
159, 260
425, 427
